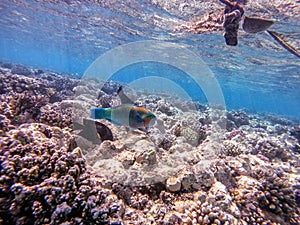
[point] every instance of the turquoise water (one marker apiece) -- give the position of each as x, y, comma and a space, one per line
66, 37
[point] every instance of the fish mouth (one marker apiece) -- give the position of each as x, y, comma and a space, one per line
149, 115
149, 119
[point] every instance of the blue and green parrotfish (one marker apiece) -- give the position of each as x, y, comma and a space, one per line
127, 115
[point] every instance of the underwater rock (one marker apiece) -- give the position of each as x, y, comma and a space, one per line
239, 118
233, 148
204, 175
106, 101
110, 87
173, 184
188, 180
86, 90
257, 198
276, 120
6, 65
61, 83
20, 70
180, 146
191, 136
220, 197
166, 108
211, 148
295, 131
165, 141
185, 180
145, 152
127, 158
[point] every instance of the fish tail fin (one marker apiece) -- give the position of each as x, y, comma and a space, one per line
100, 113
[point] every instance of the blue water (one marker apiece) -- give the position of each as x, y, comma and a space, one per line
66, 37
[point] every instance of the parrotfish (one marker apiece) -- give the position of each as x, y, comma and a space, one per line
126, 114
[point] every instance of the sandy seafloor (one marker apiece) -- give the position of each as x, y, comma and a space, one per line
187, 170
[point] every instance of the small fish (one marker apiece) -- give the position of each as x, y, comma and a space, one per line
94, 131
127, 115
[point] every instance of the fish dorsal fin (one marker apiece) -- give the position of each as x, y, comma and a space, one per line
123, 97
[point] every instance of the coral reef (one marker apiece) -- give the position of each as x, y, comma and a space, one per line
221, 164
44, 180
56, 114
188, 169
35, 96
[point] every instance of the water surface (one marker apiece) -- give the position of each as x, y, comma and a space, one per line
67, 36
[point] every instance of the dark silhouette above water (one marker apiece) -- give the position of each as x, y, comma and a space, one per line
233, 14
